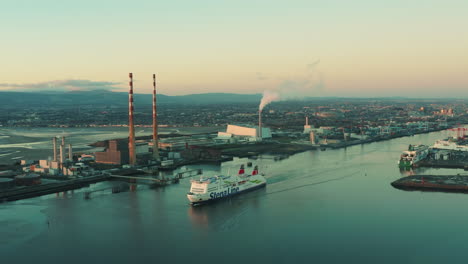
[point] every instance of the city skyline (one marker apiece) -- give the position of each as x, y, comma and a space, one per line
325, 48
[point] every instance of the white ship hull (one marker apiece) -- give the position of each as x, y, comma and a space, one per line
220, 187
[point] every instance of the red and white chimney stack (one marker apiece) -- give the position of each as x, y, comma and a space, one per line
131, 128
155, 123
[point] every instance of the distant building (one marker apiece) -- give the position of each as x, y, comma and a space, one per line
313, 140
116, 153
179, 143
247, 133
86, 157
201, 153
307, 127
141, 147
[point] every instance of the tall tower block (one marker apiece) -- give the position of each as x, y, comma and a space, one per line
155, 123
131, 128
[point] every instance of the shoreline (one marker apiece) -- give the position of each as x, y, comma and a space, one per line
272, 148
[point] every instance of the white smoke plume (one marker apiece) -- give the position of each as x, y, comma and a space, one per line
268, 97
298, 87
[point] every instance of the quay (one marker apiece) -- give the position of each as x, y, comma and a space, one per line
448, 164
160, 181
49, 188
19, 193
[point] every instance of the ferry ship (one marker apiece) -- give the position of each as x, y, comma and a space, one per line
218, 187
413, 155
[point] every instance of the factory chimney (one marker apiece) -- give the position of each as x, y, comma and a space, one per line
155, 123
307, 121
62, 151
260, 125
70, 152
131, 128
54, 142
312, 138
61, 154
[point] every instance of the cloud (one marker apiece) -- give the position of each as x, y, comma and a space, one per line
63, 85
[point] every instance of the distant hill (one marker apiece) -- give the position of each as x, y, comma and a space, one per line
8, 98
52, 98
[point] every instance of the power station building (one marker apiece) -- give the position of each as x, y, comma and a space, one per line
243, 133
116, 153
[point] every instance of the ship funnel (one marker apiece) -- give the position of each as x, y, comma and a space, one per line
255, 170
241, 170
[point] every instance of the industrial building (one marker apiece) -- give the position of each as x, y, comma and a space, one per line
201, 153
179, 143
86, 157
57, 166
307, 127
116, 153
243, 133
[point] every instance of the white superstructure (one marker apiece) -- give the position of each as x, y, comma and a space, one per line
413, 155
249, 133
449, 145
218, 187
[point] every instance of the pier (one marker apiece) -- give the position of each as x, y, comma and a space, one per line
160, 181
49, 188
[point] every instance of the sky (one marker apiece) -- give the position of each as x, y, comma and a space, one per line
354, 48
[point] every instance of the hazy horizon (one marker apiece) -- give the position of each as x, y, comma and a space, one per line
254, 94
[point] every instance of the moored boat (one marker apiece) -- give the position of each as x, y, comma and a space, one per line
444, 183
414, 154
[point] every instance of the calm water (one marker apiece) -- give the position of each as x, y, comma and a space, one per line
334, 206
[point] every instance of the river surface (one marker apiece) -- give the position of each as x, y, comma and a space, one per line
333, 206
